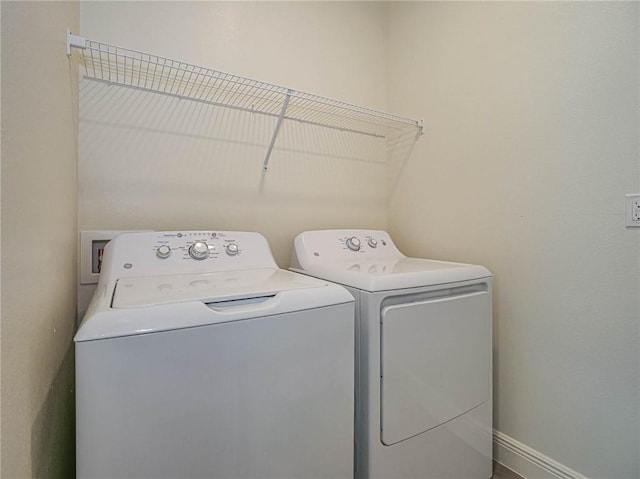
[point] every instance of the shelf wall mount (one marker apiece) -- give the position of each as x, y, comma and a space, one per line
125, 67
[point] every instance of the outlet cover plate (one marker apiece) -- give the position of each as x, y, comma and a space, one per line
632, 213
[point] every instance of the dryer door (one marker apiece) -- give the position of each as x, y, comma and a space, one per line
435, 360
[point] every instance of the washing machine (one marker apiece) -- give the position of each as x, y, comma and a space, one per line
200, 358
423, 355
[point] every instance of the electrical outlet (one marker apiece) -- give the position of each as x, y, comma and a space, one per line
633, 211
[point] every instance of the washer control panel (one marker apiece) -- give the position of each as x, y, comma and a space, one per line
199, 246
174, 252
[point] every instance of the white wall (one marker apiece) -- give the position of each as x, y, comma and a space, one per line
147, 161
39, 205
0, 250
532, 142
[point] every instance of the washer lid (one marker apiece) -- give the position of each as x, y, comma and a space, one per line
142, 305
206, 287
394, 273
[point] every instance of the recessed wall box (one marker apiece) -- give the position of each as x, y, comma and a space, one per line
92, 245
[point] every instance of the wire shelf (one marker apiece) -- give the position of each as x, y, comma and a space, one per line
123, 66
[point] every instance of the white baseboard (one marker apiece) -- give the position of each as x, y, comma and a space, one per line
528, 462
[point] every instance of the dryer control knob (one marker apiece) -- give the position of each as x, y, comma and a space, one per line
163, 251
199, 250
373, 243
232, 249
353, 243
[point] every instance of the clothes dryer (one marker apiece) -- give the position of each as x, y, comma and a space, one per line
200, 358
423, 355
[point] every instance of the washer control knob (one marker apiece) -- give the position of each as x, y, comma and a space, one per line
163, 251
353, 243
232, 249
199, 250
372, 242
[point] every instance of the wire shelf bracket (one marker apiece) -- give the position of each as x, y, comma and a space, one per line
126, 67
74, 41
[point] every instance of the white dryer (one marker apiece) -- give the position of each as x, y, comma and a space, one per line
199, 358
423, 355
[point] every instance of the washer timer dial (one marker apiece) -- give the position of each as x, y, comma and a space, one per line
199, 250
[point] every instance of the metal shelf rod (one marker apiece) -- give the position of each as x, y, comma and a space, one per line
285, 104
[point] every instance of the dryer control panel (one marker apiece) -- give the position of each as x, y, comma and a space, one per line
342, 245
176, 252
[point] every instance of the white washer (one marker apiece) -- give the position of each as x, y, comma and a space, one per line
199, 358
423, 364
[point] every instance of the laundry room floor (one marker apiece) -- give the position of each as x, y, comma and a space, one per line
501, 472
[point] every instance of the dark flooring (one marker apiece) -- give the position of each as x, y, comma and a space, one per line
501, 472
